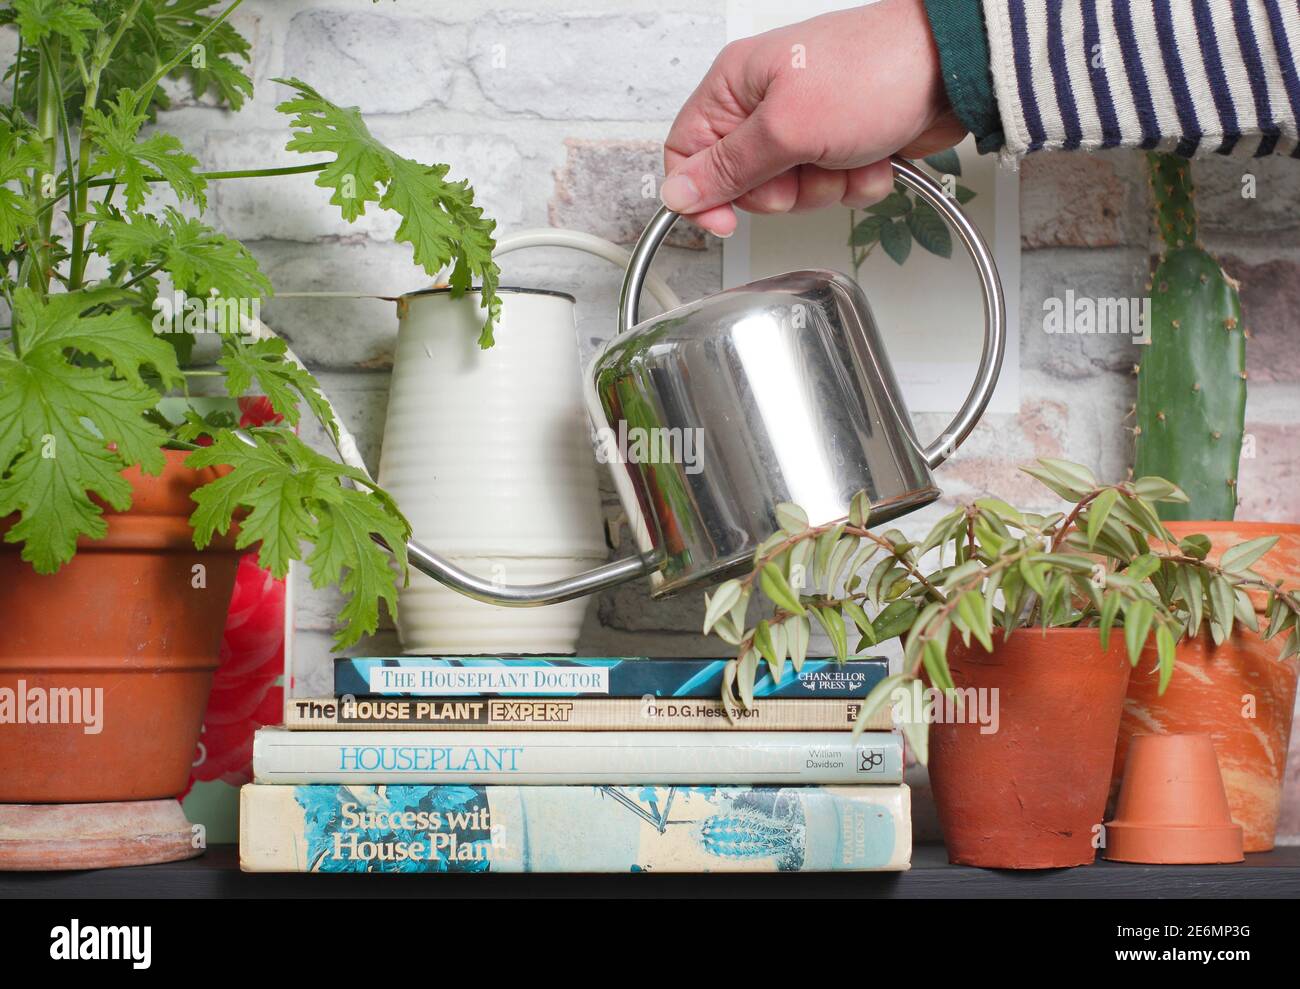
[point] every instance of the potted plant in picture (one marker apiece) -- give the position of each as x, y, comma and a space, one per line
1190, 419
123, 526
901, 218
1024, 628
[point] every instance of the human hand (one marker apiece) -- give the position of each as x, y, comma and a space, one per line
806, 116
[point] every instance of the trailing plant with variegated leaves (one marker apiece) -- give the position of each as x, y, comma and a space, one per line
1106, 562
82, 366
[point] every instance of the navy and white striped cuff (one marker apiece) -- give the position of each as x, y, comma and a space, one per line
1189, 76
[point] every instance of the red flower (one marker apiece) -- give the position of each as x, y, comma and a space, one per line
257, 410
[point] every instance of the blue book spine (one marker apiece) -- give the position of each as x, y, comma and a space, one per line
448, 676
442, 829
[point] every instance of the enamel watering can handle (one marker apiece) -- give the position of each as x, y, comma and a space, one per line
995, 316
589, 244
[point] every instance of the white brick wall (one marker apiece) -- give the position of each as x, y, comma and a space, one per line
553, 110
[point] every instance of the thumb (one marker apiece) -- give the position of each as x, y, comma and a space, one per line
727, 169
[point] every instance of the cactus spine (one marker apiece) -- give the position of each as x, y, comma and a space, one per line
1191, 405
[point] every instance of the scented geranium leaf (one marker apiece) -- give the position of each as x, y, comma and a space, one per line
176, 26
52, 494
18, 155
201, 261
195, 426
265, 363
67, 431
439, 218
159, 29
122, 337
127, 244
71, 20
266, 482
346, 554
132, 162
293, 495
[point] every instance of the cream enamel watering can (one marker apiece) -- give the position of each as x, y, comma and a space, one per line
713, 413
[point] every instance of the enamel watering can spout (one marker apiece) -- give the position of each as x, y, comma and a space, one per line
776, 391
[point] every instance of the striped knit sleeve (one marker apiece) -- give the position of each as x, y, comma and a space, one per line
1189, 76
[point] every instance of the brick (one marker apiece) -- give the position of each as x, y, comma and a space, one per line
1269, 477
610, 188
585, 66
987, 463
1117, 274
1270, 311
333, 332
1225, 212
1080, 200
384, 63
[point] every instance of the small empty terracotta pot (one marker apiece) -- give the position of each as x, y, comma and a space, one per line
1172, 806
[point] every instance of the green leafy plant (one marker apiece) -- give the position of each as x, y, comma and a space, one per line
900, 218
1107, 562
85, 360
1191, 405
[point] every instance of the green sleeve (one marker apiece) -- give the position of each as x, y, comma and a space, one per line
958, 28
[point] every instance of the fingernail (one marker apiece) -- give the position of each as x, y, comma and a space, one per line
679, 194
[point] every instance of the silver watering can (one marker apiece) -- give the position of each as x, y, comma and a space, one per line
783, 389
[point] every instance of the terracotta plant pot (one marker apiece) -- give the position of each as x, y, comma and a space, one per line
1031, 795
1172, 807
1237, 693
129, 625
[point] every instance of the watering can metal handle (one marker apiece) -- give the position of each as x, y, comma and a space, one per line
995, 316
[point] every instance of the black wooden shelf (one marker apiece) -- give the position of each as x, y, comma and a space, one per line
216, 875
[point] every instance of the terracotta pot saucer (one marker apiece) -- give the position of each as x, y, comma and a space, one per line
37, 837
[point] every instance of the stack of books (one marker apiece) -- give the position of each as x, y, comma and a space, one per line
530, 764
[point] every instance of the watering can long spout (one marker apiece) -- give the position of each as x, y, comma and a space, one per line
531, 595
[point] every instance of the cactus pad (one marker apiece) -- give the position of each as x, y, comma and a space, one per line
1191, 405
